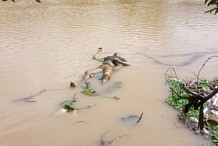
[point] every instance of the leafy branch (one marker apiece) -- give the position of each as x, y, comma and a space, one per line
212, 3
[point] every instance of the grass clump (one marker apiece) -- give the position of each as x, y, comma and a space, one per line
69, 106
88, 91
179, 97
214, 136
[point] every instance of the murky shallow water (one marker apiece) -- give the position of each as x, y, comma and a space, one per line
48, 45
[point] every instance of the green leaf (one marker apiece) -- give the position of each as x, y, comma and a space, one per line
214, 136
204, 84
69, 106
87, 91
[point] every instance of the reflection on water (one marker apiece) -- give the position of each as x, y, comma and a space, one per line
43, 47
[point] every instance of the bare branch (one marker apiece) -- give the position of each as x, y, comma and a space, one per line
203, 67
172, 70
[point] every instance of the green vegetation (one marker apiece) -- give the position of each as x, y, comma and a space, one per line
214, 136
179, 97
204, 85
69, 106
212, 3
88, 91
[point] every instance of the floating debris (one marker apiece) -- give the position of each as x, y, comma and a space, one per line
73, 85
139, 118
132, 118
88, 90
69, 106
104, 142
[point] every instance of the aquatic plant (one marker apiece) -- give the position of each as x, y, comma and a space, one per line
192, 113
178, 98
69, 106
212, 3
214, 136
88, 91
204, 85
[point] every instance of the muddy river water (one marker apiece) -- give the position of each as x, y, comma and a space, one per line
44, 46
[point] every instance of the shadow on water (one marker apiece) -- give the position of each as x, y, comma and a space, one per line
189, 58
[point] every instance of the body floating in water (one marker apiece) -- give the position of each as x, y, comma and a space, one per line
110, 63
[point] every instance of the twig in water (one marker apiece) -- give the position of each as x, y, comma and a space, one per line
203, 67
102, 142
74, 98
172, 70
110, 142
139, 118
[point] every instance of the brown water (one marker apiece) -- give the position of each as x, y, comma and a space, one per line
48, 45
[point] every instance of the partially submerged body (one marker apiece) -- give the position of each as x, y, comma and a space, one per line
110, 63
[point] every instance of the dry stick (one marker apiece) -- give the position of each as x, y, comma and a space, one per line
210, 11
192, 92
102, 142
110, 142
173, 69
201, 118
215, 91
74, 97
171, 73
203, 67
139, 118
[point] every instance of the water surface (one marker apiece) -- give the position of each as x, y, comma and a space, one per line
44, 46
